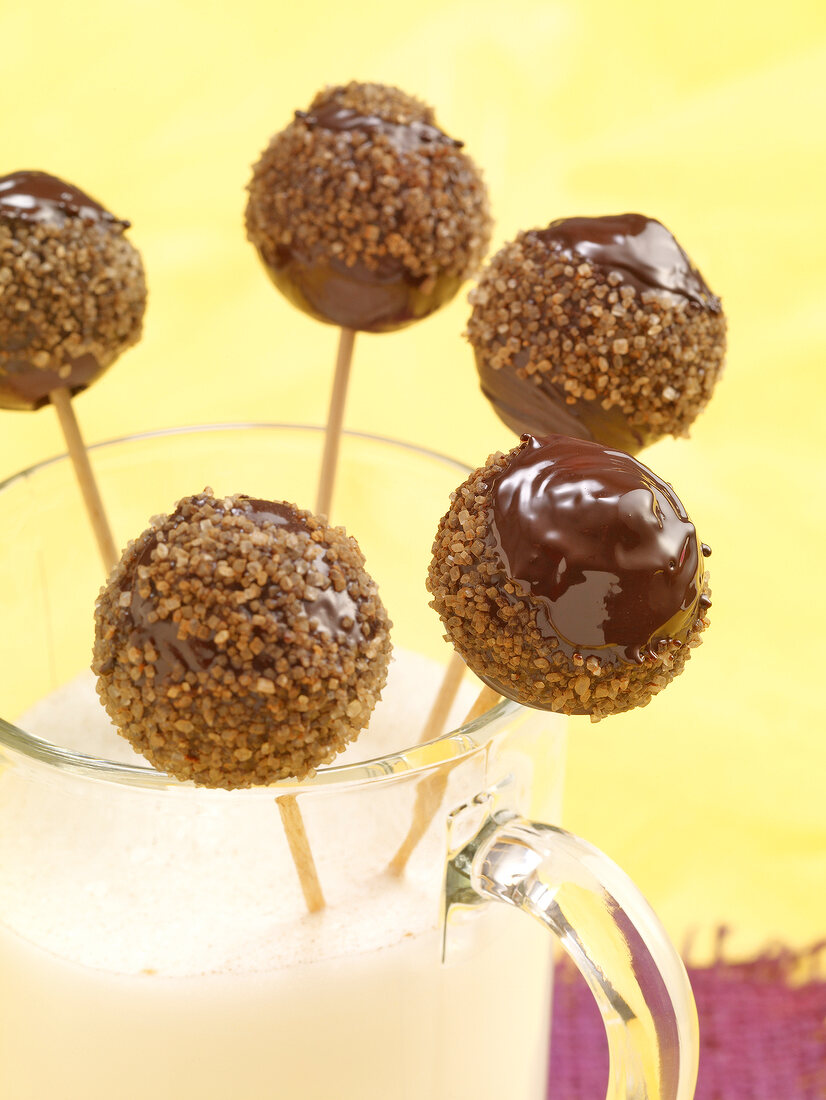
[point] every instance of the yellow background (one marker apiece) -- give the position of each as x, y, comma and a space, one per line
709, 116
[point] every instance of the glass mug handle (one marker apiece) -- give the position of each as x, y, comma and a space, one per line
609, 930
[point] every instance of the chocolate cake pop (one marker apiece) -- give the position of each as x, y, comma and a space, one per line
364, 213
570, 578
600, 328
240, 641
72, 290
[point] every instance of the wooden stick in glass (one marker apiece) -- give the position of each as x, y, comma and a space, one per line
335, 420
62, 401
431, 790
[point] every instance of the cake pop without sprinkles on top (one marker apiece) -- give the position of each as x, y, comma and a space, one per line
570, 578
72, 289
364, 213
599, 328
240, 641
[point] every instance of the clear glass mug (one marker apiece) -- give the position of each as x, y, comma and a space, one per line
154, 940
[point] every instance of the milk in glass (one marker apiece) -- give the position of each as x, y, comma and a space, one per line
153, 946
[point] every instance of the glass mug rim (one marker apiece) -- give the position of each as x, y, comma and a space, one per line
419, 758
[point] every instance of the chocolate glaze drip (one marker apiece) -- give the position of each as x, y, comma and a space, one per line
601, 543
640, 249
190, 653
276, 511
333, 612
32, 196
357, 297
526, 405
405, 137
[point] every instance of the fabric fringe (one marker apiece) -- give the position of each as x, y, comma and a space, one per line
762, 1027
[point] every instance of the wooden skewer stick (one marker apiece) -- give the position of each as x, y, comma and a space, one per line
444, 700
291, 818
62, 401
485, 700
335, 419
431, 790
301, 852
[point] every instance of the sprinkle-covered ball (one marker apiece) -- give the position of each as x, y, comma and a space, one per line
72, 289
600, 328
570, 578
240, 641
365, 213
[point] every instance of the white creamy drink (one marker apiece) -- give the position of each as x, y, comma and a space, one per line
154, 944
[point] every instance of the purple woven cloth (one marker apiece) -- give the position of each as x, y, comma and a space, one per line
762, 1031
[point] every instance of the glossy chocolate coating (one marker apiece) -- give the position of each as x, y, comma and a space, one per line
404, 137
23, 389
335, 612
357, 297
34, 196
174, 655
601, 543
640, 249
541, 407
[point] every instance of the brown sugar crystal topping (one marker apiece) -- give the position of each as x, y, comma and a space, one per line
240, 641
